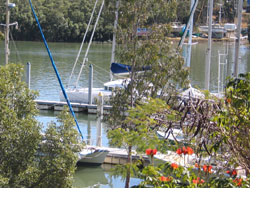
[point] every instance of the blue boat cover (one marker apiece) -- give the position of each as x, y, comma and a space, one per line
118, 68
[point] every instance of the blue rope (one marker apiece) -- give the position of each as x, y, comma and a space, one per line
56, 71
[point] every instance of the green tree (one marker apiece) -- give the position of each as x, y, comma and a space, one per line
152, 50
30, 157
234, 121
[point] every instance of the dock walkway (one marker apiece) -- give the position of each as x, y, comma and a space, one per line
77, 107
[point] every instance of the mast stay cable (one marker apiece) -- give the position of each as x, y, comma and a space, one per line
84, 38
86, 54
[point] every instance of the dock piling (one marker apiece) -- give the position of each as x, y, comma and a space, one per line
90, 84
28, 74
100, 107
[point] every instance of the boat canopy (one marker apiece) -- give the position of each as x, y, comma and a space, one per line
118, 68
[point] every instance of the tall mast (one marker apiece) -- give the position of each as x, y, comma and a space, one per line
7, 32
237, 45
114, 38
190, 35
208, 51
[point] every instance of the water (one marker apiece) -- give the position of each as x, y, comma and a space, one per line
44, 80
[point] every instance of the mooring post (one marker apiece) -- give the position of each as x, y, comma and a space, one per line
208, 51
28, 74
237, 44
90, 84
100, 107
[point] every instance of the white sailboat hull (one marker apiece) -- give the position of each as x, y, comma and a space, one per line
96, 157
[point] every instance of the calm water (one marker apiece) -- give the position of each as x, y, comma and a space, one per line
44, 80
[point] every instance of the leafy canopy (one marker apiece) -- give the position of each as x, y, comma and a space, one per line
30, 157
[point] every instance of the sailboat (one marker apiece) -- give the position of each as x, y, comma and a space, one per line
81, 94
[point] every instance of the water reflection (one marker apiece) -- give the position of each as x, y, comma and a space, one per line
87, 123
99, 177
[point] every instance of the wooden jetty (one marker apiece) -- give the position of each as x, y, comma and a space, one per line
118, 156
77, 107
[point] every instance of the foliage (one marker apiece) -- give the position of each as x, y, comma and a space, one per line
30, 157
229, 10
153, 50
218, 132
65, 20
140, 132
168, 176
2, 36
234, 121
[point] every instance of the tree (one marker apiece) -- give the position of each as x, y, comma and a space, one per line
234, 121
214, 129
153, 50
30, 157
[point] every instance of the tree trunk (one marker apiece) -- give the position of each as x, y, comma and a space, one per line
129, 161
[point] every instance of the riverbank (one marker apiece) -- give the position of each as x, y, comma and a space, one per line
200, 39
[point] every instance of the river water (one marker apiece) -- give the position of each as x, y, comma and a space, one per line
44, 80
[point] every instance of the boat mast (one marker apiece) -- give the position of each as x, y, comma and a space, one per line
90, 42
187, 25
7, 52
208, 51
114, 38
237, 45
84, 38
190, 35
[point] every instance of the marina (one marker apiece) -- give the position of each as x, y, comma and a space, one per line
224, 58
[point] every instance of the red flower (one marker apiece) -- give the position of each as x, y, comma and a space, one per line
184, 150
228, 172
164, 179
174, 165
154, 151
149, 151
207, 168
234, 172
189, 150
179, 151
237, 181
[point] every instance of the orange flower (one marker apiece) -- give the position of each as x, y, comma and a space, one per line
198, 181
196, 165
207, 168
228, 100
179, 151
174, 165
164, 179
189, 150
